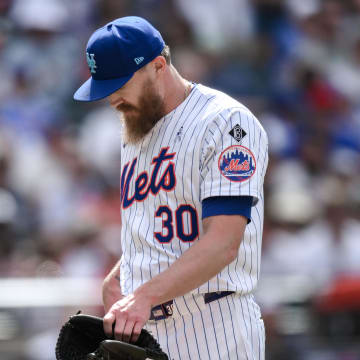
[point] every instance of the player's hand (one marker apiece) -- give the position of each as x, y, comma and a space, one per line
129, 316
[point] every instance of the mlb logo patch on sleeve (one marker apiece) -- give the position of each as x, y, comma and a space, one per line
237, 163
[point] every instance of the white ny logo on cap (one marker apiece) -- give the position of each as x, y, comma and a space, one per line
91, 62
139, 60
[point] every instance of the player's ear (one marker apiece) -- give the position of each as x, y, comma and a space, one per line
159, 64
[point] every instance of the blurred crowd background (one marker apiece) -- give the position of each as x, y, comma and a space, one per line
294, 63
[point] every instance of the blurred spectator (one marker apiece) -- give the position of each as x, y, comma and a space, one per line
216, 25
343, 73
99, 144
36, 60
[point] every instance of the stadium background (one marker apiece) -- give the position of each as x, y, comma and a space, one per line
296, 64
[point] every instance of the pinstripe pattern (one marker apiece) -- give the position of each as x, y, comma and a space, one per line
191, 139
220, 329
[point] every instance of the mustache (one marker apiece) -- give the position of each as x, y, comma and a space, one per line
125, 107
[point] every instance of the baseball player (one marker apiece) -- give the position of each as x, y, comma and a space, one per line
192, 169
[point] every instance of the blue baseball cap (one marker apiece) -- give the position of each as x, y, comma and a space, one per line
115, 52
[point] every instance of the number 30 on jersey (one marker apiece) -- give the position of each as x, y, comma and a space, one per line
185, 213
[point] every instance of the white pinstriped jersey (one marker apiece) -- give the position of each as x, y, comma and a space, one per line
210, 145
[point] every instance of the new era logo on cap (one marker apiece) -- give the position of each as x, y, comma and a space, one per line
139, 60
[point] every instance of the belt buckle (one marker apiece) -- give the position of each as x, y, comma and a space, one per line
162, 311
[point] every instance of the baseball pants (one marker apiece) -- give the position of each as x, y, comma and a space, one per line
228, 328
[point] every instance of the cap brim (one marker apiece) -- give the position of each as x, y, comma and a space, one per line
93, 90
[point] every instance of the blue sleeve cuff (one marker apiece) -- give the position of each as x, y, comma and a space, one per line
227, 205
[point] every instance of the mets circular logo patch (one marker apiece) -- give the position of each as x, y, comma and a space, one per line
237, 163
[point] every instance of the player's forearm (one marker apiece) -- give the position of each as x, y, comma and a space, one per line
111, 290
216, 249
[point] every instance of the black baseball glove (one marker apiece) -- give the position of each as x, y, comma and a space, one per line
82, 337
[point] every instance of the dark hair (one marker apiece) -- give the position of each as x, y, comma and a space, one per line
166, 54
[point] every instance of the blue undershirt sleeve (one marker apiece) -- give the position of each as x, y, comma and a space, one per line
227, 205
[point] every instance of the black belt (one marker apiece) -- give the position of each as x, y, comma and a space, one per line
165, 310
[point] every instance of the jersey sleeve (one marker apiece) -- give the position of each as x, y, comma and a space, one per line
234, 156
